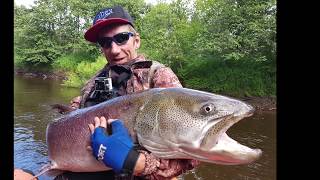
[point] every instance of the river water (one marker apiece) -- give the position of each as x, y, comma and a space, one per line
32, 113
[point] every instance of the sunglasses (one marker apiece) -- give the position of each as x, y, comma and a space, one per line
119, 39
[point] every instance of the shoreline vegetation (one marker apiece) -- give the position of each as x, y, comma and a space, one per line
225, 47
267, 103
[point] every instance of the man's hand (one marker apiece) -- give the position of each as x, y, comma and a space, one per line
20, 174
75, 102
112, 150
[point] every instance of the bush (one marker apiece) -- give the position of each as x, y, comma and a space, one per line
234, 78
83, 71
70, 61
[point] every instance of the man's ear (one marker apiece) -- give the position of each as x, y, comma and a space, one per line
137, 41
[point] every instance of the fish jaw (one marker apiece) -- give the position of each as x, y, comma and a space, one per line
215, 146
169, 136
226, 152
222, 149
229, 152
216, 127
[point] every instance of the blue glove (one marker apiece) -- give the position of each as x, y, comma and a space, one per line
114, 149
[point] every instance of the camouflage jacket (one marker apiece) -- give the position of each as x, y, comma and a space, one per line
146, 74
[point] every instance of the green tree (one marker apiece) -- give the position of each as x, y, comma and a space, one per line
53, 28
216, 45
238, 29
163, 35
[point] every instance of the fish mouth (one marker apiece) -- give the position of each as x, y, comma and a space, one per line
216, 127
217, 147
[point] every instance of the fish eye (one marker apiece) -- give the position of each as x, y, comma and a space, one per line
208, 109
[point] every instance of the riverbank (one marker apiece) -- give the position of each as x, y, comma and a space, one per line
259, 103
262, 103
58, 75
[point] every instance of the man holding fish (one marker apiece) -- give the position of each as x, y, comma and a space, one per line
143, 102
126, 72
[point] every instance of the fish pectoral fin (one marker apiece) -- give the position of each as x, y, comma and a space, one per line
48, 168
54, 173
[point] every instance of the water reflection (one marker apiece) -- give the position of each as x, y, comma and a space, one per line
32, 113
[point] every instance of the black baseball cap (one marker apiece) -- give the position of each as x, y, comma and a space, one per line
106, 17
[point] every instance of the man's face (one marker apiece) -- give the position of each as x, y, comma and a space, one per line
120, 54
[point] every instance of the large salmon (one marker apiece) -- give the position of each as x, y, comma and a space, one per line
172, 123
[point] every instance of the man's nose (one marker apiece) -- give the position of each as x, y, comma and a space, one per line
115, 48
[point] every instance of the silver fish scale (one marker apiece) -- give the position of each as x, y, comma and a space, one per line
178, 120
145, 122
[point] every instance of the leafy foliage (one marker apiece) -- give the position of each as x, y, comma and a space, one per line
225, 46
235, 78
84, 71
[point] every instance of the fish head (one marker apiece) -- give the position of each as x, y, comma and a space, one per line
192, 124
